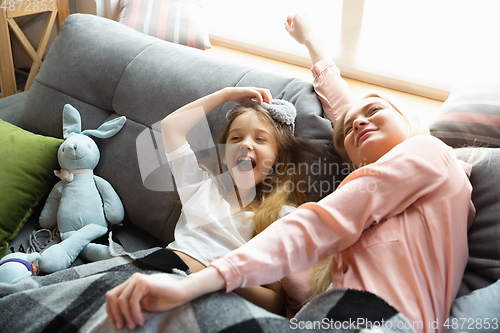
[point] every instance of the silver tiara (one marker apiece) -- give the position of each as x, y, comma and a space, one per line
280, 110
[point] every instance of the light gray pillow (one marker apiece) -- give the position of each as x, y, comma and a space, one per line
477, 312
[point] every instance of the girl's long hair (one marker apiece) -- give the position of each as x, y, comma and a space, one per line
281, 185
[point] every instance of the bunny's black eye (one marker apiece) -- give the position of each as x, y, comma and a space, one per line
63, 150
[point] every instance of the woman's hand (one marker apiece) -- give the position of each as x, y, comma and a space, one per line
299, 28
242, 95
142, 292
156, 293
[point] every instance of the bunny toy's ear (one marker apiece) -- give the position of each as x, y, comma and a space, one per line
108, 129
72, 123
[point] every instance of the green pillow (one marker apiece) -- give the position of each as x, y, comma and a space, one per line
27, 164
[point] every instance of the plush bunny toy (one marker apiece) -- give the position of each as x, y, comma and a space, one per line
81, 204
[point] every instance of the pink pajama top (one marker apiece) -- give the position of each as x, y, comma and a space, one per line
397, 228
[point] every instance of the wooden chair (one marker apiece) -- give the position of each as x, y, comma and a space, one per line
29, 9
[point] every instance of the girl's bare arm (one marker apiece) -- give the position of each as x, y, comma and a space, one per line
177, 124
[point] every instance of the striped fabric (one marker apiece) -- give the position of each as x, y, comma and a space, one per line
177, 21
471, 114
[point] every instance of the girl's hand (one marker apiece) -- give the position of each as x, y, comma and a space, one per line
299, 28
243, 95
142, 292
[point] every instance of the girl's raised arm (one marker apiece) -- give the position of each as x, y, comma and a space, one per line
177, 124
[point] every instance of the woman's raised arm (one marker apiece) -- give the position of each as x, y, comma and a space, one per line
299, 28
331, 89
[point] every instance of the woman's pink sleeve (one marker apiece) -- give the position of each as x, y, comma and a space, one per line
314, 231
331, 89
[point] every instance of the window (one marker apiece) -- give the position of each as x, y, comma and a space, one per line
421, 47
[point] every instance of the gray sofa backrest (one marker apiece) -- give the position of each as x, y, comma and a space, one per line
106, 69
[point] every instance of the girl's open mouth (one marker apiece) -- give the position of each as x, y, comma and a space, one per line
245, 163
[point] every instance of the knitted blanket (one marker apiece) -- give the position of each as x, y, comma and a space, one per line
73, 300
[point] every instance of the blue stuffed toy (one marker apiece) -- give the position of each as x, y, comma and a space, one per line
81, 204
16, 266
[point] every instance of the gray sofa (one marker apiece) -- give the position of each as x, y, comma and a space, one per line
105, 70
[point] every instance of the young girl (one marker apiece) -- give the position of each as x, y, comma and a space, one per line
396, 226
222, 213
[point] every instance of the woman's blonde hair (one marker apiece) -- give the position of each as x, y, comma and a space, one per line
473, 155
322, 275
280, 186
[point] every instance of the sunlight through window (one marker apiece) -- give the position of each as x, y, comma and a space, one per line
422, 47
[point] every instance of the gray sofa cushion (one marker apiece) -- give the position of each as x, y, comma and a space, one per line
9, 106
468, 118
106, 69
483, 267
